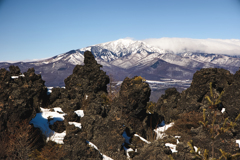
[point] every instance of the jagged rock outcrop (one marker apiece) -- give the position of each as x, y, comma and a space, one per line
231, 97
86, 89
194, 100
194, 97
131, 104
167, 105
105, 120
172, 103
201, 138
21, 96
88, 83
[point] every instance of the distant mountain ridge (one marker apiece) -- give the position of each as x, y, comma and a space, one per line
126, 57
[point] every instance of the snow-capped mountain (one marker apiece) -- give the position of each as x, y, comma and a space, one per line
120, 48
127, 57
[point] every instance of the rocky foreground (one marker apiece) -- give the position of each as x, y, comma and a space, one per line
197, 113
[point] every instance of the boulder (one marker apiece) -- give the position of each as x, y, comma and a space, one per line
194, 97
231, 97
167, 105
131, 104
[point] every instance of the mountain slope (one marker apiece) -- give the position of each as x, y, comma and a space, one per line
126, 57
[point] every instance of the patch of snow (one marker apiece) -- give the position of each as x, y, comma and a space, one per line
46, 118
14, 77
144, 140
95, 147
195, 148
80, 113
172, 147
76, 124
238, 141
128, 150
58, 109
49, 90
57, 137
92, 145
160, 130
106, 157
223, 110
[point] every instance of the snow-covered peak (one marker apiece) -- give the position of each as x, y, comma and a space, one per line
127, 44
124, 43
113, 50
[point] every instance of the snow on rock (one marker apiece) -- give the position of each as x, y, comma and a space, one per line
94, 146
128, 150
127, 140
106, 157
160, 130
223, 110
48, 117
144, 140
238, 141
171, 146
195, 148
76, 124
58, 109
80, 113
49, 90
57, 137
15, 77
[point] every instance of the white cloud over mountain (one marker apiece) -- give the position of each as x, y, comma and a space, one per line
179, 45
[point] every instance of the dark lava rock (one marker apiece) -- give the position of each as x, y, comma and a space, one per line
202, 139
72, 117
131, 104
86, 89
14, 70
77, 148
20, 99
153, 151
87, 84
231, 97
193, 98
167, 105
58, 126
87, 78
105, 133
172, 103
133, 97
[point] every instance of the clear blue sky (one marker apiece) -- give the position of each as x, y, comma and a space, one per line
36, 29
